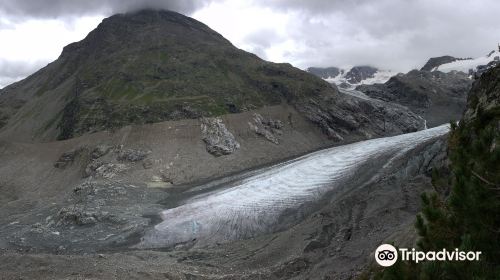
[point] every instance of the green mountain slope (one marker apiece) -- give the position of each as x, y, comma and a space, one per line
153, 66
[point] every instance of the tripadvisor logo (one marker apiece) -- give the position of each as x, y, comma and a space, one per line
387, 255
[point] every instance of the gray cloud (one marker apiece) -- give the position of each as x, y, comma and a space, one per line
391, 34
11, 71
64, 8
258, 41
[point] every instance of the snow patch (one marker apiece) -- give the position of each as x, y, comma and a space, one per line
380, 77
465, 65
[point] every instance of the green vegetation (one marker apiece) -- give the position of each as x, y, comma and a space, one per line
172, 77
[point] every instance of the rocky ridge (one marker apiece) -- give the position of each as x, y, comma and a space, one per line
436, 96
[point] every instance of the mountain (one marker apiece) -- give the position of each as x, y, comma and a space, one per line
351, 77
324, 73
436, 96
434, 62
437, 91
155, 110
154, 66
472, 66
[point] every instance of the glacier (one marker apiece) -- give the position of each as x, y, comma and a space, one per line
273, 197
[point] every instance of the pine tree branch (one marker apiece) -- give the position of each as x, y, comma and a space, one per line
484, 180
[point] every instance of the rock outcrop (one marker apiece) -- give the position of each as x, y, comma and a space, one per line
484, 95
434, 62
69, 157
267, 128
218, 140
366, 116
132, 155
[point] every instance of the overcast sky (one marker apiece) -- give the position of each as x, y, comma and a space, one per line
389, 34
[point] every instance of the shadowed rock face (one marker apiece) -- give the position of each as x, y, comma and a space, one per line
436, 61
360, 73
436, 96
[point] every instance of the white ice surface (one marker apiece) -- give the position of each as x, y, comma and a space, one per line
465, 65
380, 77
257, 204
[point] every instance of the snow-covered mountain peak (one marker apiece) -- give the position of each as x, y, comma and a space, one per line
351, 76
472, 66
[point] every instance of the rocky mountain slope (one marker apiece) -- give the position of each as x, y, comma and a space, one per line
436, 96
324, 72
153, 66
437, 92
484, 96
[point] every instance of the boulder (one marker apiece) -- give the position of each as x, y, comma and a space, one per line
218, 140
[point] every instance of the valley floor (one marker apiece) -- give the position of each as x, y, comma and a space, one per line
360, 195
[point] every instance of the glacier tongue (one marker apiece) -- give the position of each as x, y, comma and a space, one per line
258, 204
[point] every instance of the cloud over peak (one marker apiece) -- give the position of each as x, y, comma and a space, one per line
391, 34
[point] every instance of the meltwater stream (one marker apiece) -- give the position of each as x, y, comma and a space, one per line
258, 204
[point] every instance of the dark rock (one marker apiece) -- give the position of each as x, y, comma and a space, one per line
360, 73
292, 268
92, 167
323, 240
67, 158
78, 216
132, 155
352, 115
147, 163
85, 189
437, 61
484, 95
100, 150
483, 68
110, 170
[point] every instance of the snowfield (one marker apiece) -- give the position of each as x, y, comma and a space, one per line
277, 195
380, 77
465, 65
